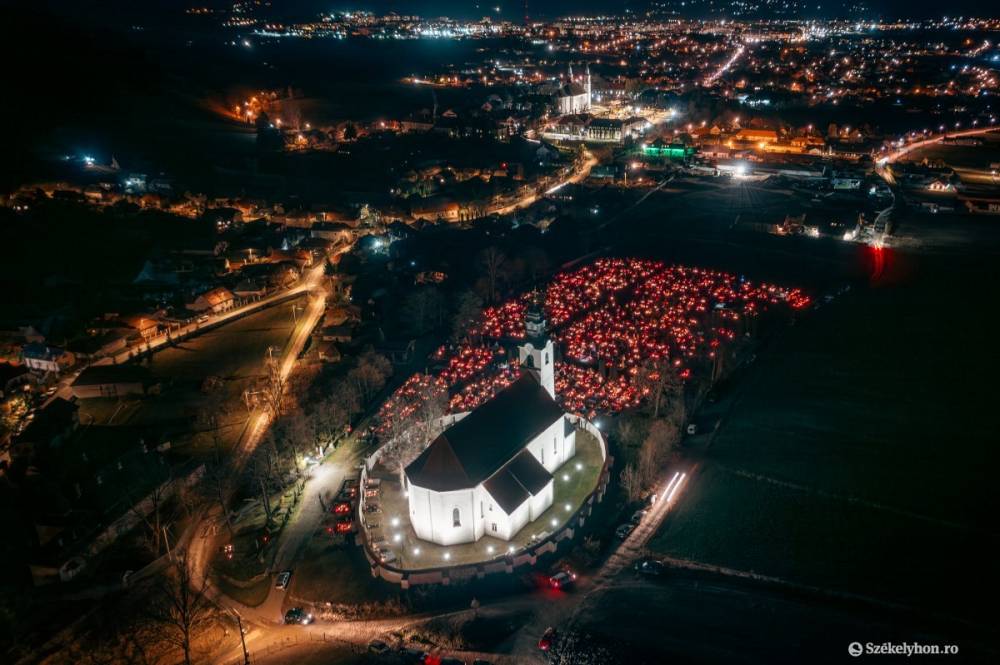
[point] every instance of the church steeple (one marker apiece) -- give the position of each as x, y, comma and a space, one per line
534, 320
537, 355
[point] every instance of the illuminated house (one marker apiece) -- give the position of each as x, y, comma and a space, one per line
491, 472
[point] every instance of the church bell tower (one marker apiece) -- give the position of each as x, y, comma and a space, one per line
537, 354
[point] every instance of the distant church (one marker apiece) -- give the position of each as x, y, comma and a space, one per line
491, 472
573, 96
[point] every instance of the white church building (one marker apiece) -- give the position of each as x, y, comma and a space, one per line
490, 473
574, 96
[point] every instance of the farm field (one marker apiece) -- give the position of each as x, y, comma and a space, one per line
857, 455
233, 353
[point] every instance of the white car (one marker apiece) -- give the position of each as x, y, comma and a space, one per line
281, 581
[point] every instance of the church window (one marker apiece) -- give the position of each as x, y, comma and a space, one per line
494, 525
546, 357
456, 518
555, 446
543, 454
529, 362
481, 509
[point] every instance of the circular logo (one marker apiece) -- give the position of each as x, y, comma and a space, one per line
855, 649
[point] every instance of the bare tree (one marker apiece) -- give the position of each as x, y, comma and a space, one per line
492, 261
370, 374
468, 309
218, 483
262, 472
180, 607
152, 519
273, 389
631, 482
656, 449
657, 379
423, 310
334, 414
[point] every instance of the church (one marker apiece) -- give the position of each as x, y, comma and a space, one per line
490, 473
574, 97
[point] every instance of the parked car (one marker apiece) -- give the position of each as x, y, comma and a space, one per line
297, 615
638, 515
378, 646
281, 581
548, 639
650, 567
624, 530
563, 579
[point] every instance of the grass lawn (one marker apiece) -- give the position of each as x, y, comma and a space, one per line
336, 573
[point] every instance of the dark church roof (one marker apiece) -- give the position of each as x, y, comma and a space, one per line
572, 89
520, 478
479, 445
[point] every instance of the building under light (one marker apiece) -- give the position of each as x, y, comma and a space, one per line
491, 473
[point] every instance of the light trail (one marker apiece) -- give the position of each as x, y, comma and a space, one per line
726, 66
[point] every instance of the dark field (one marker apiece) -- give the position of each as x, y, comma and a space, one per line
858, 452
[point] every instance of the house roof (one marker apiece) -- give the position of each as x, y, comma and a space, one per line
478, 446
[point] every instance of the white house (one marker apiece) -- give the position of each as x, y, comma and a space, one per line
491, 472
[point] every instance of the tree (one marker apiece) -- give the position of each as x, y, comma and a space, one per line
414, 422
262, 470
334, 414
218, 483
657, 379
299, 434
631, 482
370, 374
423, 310
656, 449
153, 519
273, 390
180, 607
468, 309
492, 261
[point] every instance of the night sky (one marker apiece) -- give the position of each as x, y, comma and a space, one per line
509, 9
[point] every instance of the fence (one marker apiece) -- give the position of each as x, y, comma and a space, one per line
525, 556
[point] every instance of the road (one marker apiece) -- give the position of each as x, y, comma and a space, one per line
578, 176
325, 481
201, 548
916, 145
